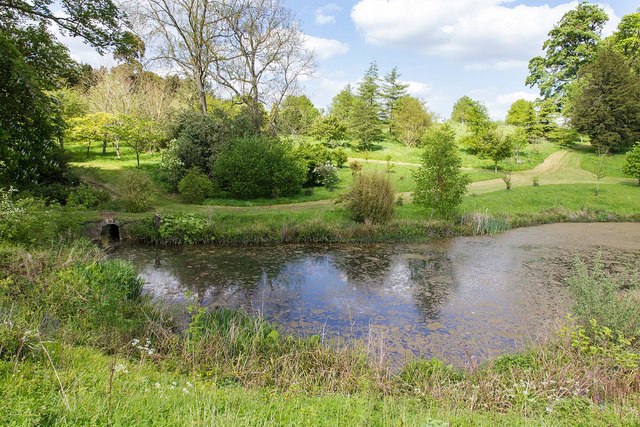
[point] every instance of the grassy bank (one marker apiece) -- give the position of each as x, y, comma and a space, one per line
79, 345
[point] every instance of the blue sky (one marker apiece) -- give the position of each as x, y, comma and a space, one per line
443, 48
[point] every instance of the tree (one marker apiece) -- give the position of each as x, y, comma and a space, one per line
93, 128
410, 120
606, 105
342, 105
545, 124
365, 124
470, 112
28, 124
391, 91
626, 39
631, 165
492, 145
329, 129
139, 134
188, 31
262, 54
369, 87
522, 113
297, 115
99, 22
571, 44
440, 184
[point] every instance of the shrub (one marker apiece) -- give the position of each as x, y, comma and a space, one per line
25, 220
195, 187
172, 168
185, 228
632, 163
259, 167
136, 190
329, 130
606, 299
339, 157
371, 198
86, 197
313, 156
328, 174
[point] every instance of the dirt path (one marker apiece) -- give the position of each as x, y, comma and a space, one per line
561, 167
383, 162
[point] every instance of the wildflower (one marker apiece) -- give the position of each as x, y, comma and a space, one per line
185, 391
121, 368
157, 385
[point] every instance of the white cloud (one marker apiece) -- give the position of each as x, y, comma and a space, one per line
326, 14
483, 33
417, 89
325, 48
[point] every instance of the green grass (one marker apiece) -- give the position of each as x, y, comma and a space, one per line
621, 199
612, 162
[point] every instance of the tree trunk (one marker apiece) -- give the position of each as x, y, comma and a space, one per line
118, 150
495, 167
104, 145
88, 148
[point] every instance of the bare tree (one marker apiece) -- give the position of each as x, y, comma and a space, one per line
187, 33
262, 53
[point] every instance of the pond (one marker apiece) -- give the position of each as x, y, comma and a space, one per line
462, 300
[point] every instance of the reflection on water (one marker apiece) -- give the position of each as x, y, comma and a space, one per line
461, 299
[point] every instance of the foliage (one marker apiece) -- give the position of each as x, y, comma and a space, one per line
606, 105
342, 105
297, 115
391, 91
172, 169
522, 113
440, 184
19, 217
185, 228
92, 128
85, 196
339, 157
468, 111
410, 120
329, 129
571, 44
139, 134
313, 156
606, 298
199, 140
626, 39
195, 187
365, 125
136, 189
29, 122
632, 163
99, 24
259, 167
369, 89
328, 175
371, 198
598, 340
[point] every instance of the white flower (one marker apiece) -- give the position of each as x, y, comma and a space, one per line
185, 391
121, 368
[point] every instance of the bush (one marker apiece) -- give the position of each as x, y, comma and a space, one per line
136, 190
313, 156
185, 228
199, 140
172, 168
259, 167
371, 198
87, 197
26, 220
632, 163
611, 300
339, 157
195, 187
328, 174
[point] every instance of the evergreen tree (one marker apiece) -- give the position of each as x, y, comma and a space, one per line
342, 104
369, 87
440, 183
392, 90
606, 105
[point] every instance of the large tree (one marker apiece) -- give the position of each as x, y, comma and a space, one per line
440, 183
606, 104
410, 120
342, 105
297, 115
571, 44
626, 39
469, 112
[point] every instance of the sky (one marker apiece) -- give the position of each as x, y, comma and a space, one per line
444, 49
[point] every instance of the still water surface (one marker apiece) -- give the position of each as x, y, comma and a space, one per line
462, 300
